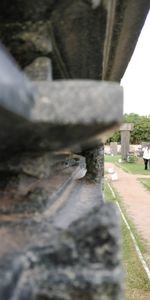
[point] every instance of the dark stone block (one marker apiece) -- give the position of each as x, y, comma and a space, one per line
95, 163
82, 262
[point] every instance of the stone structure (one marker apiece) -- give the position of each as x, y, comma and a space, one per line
125, 129
95, 163
113, 148
43, 255
65, 32
58, 238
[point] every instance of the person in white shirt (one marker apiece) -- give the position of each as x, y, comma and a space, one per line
146, 156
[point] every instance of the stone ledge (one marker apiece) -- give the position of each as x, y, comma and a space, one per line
65, 114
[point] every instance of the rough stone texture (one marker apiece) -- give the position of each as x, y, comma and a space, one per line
40, 69
80, 25
27, 41
85, 39
81, 263
95, 164
35, 183
126, 127
125, 144
36, 260
65, 114
125, 139
78, 102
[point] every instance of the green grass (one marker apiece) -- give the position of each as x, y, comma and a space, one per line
107, 192
109, 197
145, 182
137, 284
134, 168
113, 159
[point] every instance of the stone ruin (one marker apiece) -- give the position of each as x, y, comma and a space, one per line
113, 148
58, 238
125, 130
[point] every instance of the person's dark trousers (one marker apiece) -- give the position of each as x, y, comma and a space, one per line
145, 163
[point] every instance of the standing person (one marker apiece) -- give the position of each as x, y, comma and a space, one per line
149, 156
146, 156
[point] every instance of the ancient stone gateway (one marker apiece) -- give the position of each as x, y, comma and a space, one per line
59, 240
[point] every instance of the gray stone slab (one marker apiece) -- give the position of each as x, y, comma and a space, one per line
65, 114
78, 102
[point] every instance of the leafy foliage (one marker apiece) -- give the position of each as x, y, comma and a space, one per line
131, 158
141, 131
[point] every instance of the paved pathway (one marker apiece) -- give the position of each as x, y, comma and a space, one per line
136, 199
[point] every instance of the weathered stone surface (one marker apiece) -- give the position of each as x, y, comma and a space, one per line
95, 164
89, 41
88, 102
82, 262
27, 41
35, 184
26, 10
40, 165
84, 39
127, 127
80, 25
125, 139
64, 115
40, 69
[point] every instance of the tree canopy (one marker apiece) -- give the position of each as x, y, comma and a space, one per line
141, 131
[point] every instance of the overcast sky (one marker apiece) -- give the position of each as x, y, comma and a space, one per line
136, 80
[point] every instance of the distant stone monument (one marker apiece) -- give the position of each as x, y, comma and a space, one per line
113, 148
125, 139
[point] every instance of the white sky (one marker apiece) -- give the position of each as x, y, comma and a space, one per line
136, 80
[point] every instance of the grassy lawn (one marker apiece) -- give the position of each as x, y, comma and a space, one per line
113, 159
134, 168
137, 284
145, 182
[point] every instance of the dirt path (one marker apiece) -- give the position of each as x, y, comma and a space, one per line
136, 199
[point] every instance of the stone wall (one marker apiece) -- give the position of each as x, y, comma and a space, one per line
59, 240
